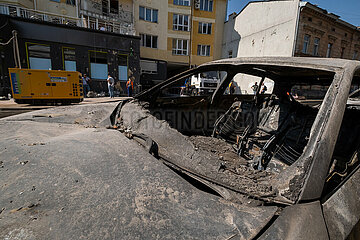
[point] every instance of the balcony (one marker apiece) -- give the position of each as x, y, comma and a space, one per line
108, 25
122, 25
38, 15
120, 22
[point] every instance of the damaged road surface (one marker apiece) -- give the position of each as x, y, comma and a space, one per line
176, 164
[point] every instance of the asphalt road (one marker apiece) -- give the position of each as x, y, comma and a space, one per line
11, 112
10, 108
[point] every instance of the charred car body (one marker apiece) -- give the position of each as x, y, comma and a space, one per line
261, 166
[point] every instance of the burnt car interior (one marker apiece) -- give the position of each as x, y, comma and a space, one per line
262, 132
345, 159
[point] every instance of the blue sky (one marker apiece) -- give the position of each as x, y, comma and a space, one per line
348, 10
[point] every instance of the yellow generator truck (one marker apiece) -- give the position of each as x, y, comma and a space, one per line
46, 86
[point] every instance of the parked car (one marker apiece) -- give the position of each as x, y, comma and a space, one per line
216, 166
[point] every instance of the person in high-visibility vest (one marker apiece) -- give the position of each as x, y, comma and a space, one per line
130, 86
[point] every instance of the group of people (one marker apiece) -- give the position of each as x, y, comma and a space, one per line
129, 85
111, 85
255, 87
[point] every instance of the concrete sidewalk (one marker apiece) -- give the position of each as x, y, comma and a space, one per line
9, 107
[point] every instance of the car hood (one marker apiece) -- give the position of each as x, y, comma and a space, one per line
64, 175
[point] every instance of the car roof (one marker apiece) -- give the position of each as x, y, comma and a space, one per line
295, 67
323, 63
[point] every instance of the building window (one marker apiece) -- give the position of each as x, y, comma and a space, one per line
355, 55
203, 50
316, 46
148, 14
69, 59
149, 41
98, 65
114, 6
329, 48
70, 2
123, 67
5, 10
342, 52
181, 22
206, 5
39, 56
230, 54
182, 2
205, 28
180, 47
306, 43
105, 7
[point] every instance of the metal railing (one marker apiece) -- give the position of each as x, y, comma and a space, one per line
38, 15
123, 23
106, 25
113, 15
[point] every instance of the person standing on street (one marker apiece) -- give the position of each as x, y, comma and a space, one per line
263, 88
111, 83
255, 88
130, 86
86, 86
232, 88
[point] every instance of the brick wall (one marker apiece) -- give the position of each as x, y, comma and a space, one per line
344, 38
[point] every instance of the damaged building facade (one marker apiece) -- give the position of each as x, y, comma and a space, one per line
288, 28
53, 40
174, 34
177, 34
108, 15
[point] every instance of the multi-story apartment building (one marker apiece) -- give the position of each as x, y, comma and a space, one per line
323, 34
175, 34
178, 34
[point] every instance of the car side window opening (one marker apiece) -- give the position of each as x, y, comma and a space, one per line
269, 127
248, 85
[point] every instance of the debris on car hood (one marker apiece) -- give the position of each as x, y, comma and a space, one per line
194, 155
94, 182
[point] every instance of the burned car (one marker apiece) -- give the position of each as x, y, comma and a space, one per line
268, 165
